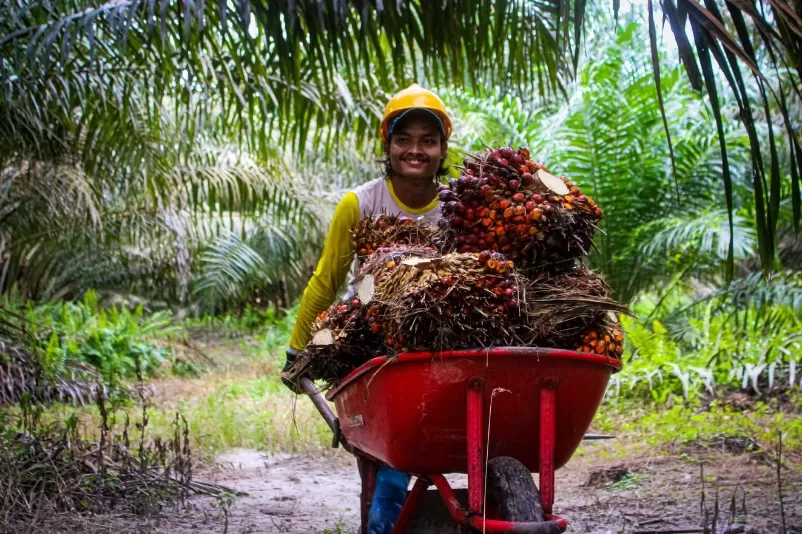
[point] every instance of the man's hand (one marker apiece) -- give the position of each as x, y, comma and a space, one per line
291, 355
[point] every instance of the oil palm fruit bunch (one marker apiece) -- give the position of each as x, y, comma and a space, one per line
564, 306
341, 341
437, 301
505, 202
381, 231
605, 342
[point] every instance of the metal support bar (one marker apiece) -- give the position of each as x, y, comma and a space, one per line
547, 439
475, 446
553, 525
410, 505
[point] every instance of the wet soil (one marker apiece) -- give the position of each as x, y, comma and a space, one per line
599, 491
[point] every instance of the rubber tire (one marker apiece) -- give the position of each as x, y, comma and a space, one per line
512, 489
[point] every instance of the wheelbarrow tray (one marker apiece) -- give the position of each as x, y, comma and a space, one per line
409, 412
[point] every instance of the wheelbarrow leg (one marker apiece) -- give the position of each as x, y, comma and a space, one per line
475, 423
547, 438
411, 505
367, 472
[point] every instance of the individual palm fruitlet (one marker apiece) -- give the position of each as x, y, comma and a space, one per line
505, 202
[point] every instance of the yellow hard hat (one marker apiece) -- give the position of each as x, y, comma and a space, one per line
415, 97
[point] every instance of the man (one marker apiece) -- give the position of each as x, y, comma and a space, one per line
415, 130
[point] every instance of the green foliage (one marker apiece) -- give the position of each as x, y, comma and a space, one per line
118, 342
722, 342
685, 424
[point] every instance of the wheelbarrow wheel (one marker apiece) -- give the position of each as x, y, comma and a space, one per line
511, 491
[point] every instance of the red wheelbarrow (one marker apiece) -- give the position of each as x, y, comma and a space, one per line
496, 414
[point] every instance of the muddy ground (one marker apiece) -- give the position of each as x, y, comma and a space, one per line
599, 492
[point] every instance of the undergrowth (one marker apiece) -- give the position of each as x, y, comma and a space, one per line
733, 426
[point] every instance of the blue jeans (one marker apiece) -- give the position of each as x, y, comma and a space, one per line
388, 499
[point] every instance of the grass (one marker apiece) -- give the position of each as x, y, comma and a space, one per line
239, 402
684, 424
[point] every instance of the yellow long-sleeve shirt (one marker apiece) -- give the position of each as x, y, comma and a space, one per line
338, 252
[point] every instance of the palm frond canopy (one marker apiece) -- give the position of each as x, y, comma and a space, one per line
89, 84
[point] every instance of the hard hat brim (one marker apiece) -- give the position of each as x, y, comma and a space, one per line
396, 121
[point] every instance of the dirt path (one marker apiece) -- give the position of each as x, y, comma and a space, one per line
320, 493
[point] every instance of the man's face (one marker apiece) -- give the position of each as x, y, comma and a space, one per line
416, 149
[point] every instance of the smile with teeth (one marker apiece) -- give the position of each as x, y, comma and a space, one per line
415, 161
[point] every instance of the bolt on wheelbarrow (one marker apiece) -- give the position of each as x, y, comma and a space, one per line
496, 414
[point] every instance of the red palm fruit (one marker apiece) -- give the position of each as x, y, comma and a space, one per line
501, 308
516, 160
593, 335
522, 169
537, 199
486, 222
524, 152
509, 293
363, 251
491, 264
504, 204
500, 232
568, 206
509, 213
522, 229
490, 237
526, 178
506, 152
466, 248
476, 229
530, 205
342, 308
498, 291
503, 162
492, 214
512, 304
518, 219
619, 350
482, 244
581, 198
482, 212
484, 256
375, 328
518, 197
515, 185
504, 241
355, 303
456, 222
469, 214
532, 231
611, 347
598, 212
520, 210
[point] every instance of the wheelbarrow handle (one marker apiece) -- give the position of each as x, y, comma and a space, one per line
323, 407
